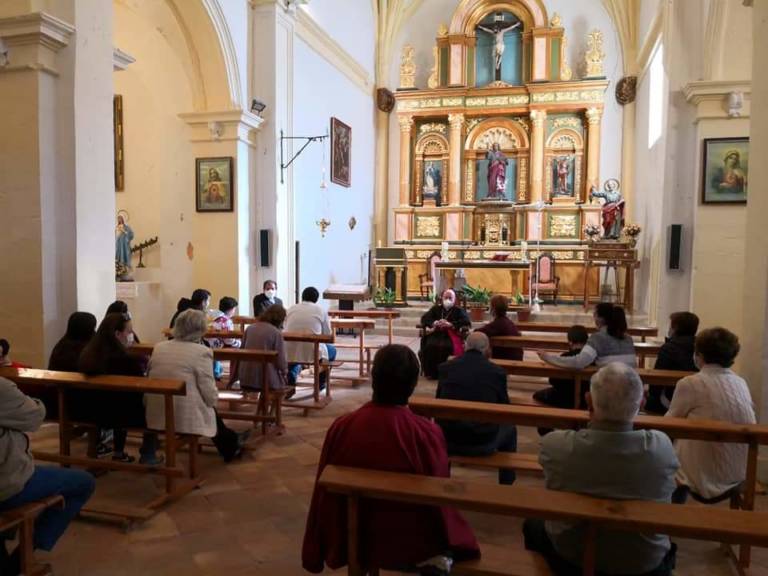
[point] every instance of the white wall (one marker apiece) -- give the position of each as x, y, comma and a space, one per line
321, 91
579, 18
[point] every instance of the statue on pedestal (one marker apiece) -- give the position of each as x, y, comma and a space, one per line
123, 238
612, 210
497, 172
563, 170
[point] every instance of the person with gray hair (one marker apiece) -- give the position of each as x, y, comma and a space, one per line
187, 358
608, 459
474, 378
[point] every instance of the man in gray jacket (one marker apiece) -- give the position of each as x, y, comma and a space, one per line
609, 459
22, 482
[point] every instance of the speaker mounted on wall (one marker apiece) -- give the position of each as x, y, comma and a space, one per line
264, 248
675, 245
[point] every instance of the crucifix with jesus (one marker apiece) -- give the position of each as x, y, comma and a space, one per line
498, 32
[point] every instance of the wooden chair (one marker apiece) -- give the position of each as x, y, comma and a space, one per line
543, 278
427, 280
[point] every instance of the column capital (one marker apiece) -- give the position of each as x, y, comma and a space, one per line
594, 115
224, 126
538, 117
33, 40
456, 121
406, 122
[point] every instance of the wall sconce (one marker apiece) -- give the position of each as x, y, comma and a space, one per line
323, 224
257, 106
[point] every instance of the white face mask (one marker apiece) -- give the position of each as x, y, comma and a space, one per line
129, 341
269, 294
447, 303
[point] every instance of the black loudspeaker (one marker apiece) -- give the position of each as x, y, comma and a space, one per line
675, 242
264, 247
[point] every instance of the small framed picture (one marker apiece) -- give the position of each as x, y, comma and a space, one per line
725, 171
341, 153
215, 185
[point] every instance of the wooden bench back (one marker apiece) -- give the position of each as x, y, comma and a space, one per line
537, 416
364, 313
77, 380
542, 370
706, 523
642, 331
260, 356
559, 344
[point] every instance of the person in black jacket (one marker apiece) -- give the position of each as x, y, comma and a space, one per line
474, 378
561, 390
107, 353
443, 325
266, 299
675, 354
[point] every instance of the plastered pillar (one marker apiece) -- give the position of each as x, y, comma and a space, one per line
406, 127
538, 119
594, 116
454, 171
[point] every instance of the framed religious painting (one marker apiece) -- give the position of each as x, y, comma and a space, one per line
341, 153
215, 191
725, 172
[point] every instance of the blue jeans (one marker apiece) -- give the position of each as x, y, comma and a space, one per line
76, 486
295, 369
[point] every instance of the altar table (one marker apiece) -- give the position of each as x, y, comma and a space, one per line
474, 269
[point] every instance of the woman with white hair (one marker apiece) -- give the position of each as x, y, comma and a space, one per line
186, 358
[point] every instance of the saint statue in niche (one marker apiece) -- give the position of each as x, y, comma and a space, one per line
497, 172
563, 171
432, 182
498, 47
123, 238
612, 210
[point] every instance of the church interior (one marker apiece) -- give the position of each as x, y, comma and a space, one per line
337, 225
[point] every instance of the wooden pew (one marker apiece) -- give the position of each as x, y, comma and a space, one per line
642, 331
697, 522
389, 315
359, 325
315, 401
63, 381
23, 519
266, 399
643, 349
753, 435
542, 370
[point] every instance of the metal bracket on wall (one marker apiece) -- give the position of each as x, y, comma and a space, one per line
308, 141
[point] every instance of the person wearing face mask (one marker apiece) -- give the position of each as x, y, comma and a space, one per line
107, 353
443, 325
200, 300
710, 470
266, 299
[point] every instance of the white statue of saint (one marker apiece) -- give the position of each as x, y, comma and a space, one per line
498, 34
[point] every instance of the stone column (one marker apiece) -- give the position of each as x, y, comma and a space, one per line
406, 126
57, 204
538, 119
754, 337
594, 116
454, 171
381, 193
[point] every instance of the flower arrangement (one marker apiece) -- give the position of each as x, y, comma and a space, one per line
592, 230
632, 230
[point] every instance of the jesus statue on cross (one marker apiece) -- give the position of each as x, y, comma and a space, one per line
498, 48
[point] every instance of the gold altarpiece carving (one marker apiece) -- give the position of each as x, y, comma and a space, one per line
523, 98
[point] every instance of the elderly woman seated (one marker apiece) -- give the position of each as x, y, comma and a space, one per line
266, 335
445, 326
186, 358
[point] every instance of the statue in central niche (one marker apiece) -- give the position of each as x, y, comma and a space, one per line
498, 48
497, 172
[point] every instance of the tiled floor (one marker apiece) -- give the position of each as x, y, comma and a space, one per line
248, 518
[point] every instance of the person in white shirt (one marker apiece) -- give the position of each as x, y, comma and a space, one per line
709, 470
309, 317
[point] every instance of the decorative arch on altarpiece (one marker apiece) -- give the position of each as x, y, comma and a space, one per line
564, 144
512, 136
532, 13
431, 147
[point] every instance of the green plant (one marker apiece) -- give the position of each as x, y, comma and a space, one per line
476, 295
519, 299
384, 296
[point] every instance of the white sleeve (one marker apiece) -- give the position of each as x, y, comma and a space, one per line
682, 400
583, 359
206, 383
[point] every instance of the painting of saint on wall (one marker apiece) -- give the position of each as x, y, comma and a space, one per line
562, 175
725, 171
341, 153
215, 188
